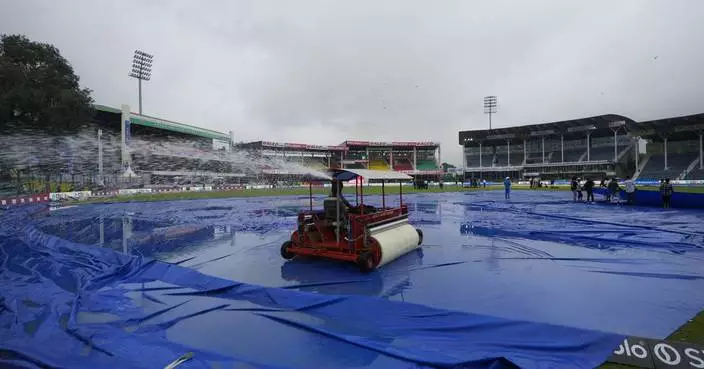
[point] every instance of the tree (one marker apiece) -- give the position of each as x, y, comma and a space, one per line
446, 167
39, 89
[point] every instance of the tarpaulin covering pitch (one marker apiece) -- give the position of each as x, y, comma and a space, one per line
653, 198
532, 282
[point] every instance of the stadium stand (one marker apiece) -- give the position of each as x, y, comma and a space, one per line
676, 165
695, 173
572, 155
402, 164
426, 165
378, 164
586, 146
601, 153
355, 166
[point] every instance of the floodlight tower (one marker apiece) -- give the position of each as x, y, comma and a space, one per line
141, 70
490, 106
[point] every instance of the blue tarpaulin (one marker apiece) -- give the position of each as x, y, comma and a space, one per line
679, 199
534, 282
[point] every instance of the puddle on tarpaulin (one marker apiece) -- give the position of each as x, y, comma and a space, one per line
538, 257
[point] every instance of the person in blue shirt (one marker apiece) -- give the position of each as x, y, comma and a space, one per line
507, 188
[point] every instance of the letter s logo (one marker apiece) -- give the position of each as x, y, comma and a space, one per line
697, 362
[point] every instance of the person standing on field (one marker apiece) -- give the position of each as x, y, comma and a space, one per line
630, 191
666, 192
507, 188
589, 187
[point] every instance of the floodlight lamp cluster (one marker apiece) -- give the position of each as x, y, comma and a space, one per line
490, 103
142, 65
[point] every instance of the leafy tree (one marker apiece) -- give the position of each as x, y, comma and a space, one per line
446, 167
39, 89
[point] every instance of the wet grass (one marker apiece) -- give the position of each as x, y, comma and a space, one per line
390, 189
168, 196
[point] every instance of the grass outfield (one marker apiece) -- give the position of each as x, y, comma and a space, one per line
390, 189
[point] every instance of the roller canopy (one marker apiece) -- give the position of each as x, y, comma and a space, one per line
350, 174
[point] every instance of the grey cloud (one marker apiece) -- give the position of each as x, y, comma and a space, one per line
323, 71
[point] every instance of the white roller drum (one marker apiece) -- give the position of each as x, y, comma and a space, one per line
395, 240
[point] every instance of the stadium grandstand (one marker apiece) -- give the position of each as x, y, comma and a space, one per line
122, 149
418, 159
164, 152
605, 145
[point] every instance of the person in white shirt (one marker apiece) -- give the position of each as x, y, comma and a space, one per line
630, 191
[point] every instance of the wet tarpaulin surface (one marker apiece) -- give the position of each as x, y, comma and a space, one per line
536, 282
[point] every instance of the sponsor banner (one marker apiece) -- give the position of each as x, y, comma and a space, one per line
420, 143
357, 143
258, 187
273, 144
655, 182
426, 172
23, 200
134, 191
317, 147
337, 148
106, 193
658, 354
302, 146
394, 143
296, 146
230, 188
75, 195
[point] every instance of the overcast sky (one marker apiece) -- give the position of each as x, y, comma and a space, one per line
324, 71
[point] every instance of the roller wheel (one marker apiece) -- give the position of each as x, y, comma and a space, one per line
285, 253
420, 236
365, 261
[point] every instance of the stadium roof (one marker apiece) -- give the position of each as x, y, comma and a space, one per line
167, 125
576, 128
675, 128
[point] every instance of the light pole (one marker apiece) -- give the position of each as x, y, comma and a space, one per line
141, 70
490, 106
100, 158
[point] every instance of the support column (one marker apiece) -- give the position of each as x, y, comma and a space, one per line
414, 158
368, 158
543, 140
439, 158
508, 152
701, 151
391, 158
464, 158
637, 151
525, 152
480, 156
125, 124
665, 149
101, 182
329, 156
615, 145
589, 146
342, 159
562, 147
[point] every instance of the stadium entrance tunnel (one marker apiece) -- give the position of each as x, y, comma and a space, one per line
534, 281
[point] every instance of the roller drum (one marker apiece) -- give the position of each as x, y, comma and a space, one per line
394, 240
